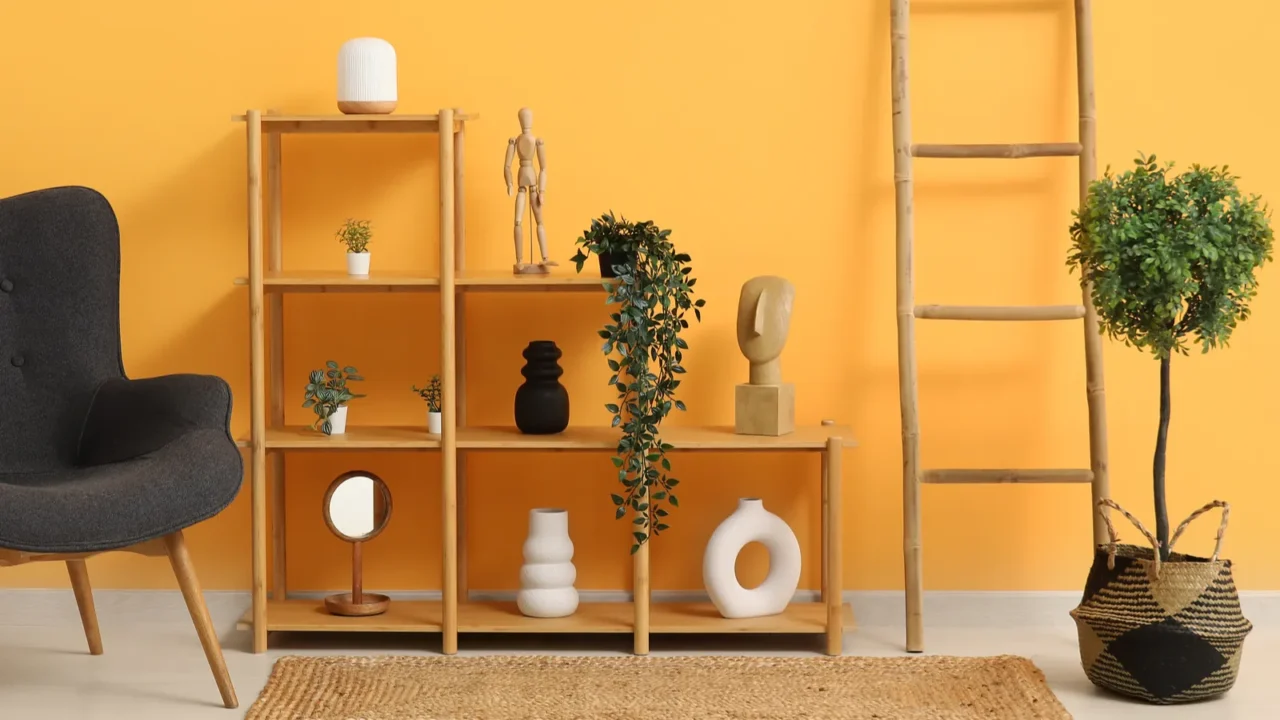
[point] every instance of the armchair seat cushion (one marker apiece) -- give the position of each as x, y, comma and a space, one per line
113, 505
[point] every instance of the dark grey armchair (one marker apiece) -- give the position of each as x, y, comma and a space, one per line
90, 460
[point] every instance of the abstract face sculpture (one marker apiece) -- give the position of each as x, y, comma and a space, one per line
764, 317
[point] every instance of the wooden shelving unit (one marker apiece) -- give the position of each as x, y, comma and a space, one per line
455, 612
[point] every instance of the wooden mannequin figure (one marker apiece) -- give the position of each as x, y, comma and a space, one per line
765, 405
528, 186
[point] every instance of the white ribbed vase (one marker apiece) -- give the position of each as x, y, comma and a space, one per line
751, 523
367, 77
548, 574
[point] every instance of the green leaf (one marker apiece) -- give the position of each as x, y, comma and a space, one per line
308, 403
672, 482
660, 527
617, 499
617, 461
331, 365
639, 536
621, 511
638, 521
350, 370
635, 549
675, 502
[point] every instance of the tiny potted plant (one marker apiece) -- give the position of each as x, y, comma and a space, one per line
356, 235
1168, 261
432, 395
653, 296
327, 395
613, 241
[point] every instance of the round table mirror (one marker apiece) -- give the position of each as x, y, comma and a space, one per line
357, 507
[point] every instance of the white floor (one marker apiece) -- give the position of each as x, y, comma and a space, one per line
153, 667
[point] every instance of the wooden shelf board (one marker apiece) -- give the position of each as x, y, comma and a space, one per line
357, 437
310, 616
704, 618
330, 281
506, 281
505, 617
354, 123
683, 438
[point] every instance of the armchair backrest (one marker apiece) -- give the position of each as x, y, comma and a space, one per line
59, 321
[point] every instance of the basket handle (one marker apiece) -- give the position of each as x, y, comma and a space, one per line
1105, 503
1222, 527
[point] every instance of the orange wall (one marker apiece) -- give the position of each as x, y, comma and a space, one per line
761, 135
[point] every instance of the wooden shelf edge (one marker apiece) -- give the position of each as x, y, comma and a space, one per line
505, 617
330, 117
310, 616
800, 618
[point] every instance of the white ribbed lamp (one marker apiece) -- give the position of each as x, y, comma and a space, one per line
367, 77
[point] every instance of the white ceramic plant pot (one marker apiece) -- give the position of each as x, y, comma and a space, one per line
338, 421
366, 77
751, 523
433, 422
548, 574
358, 264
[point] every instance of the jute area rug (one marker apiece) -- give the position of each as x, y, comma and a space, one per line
632, 688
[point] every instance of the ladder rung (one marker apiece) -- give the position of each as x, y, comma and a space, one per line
956, 477
1023, 150
999, 312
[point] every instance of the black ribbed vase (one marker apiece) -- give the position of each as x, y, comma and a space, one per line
542, 403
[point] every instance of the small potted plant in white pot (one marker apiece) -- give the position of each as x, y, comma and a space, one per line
327, 395
432, 395
356, 234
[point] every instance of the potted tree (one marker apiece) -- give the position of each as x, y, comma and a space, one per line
1169, 261
327, 395
432, 395
653, 294
356, 235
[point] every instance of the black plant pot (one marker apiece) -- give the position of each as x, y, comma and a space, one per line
542, 403
608, 260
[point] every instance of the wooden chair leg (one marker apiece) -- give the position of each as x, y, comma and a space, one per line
79, 573
186, 574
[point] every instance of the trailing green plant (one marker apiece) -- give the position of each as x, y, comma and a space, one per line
653, 292
327, 391
356, 235
431, 393
1169, 261
608, 235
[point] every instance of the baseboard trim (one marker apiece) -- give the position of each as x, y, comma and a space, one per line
873, 608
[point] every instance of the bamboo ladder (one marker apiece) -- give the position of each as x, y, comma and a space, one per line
908, 312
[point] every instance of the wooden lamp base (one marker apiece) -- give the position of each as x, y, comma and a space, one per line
369, 604
366, 107
764, 409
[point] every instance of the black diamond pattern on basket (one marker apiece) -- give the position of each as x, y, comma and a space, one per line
1166, 657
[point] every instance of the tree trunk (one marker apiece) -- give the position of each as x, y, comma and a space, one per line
1162, 441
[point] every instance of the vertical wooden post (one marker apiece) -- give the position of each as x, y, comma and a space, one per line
275, 263
257, 395
640, 597
1095, 384
833, 539
826, 537
908, 397
460, 337
449, 387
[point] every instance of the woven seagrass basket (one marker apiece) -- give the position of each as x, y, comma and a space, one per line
1165, 632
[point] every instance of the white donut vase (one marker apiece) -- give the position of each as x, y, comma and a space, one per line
751, 523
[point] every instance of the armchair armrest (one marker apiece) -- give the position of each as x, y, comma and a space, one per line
130, 418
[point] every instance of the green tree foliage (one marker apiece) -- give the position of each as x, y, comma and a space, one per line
1171, 259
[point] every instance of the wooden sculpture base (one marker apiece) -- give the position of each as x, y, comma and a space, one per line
370, 604
764, 409
374, 107
531, 269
